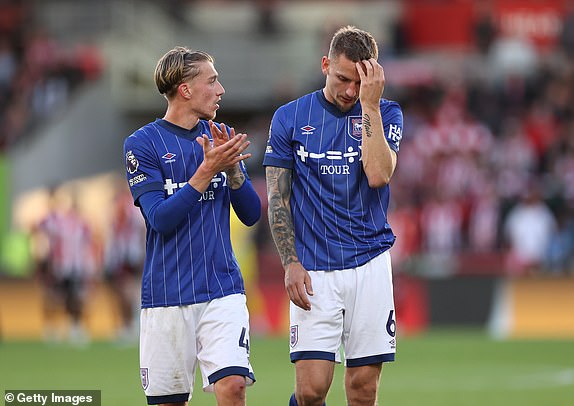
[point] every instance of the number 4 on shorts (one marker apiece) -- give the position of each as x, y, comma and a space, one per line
244, 341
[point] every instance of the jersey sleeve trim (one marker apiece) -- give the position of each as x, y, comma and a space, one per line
281, 163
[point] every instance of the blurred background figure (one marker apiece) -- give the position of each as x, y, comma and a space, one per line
123, 261
43, 242
529, 229
66, 267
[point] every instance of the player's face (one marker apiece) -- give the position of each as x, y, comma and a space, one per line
342, 82
206, 92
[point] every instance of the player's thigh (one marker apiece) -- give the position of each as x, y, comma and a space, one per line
364, 378
223, 341
167, 352
316, 334
369, 325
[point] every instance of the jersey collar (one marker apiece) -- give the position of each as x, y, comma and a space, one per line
330, 107
180, 131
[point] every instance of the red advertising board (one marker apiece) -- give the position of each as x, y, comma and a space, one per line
450, 23
540, 21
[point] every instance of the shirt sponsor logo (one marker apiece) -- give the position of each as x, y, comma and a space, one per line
218, 180
132, 164
355, 127
350, 155
307, 130
338, 161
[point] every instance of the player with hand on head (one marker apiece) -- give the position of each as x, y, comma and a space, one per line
184, 172
329, 160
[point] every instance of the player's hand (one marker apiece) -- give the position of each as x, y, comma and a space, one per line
298, 285
223, 154
372, 82
219, 134
220, 137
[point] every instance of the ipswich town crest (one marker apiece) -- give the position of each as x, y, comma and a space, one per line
355, 127
294, 335
145, 377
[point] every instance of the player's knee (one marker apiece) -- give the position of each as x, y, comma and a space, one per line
308, 395
361, 397
361, 391
232, 387
360, 383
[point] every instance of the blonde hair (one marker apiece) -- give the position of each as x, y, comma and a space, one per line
177, 66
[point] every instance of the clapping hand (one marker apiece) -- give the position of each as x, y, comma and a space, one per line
226, 150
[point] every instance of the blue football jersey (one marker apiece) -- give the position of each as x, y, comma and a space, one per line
194, 263
340, 222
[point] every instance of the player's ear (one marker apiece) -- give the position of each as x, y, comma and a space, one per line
325, 61
185, 90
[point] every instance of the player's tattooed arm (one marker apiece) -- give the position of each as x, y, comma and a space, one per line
367, 125
279, 213
235, 177
379, 160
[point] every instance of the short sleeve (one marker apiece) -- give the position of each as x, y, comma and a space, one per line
278, 150
392, 124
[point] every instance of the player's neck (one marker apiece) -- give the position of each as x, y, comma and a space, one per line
181, 118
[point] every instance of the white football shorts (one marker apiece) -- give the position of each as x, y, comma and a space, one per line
352, 309
173, 340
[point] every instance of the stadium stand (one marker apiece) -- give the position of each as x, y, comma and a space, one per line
487, 90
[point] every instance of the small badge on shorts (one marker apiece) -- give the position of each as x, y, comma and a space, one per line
145, 378
294, 335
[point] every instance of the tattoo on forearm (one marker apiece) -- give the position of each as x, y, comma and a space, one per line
235, 178
367, 125
279, 213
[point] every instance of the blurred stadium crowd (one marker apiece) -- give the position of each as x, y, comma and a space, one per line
37, 73
485, 177
487, 160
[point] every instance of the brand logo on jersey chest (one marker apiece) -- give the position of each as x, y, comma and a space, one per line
168, 156
307, 130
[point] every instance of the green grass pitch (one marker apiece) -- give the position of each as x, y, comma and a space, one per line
442, 367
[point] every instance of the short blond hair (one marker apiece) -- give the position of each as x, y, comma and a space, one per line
177, 66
